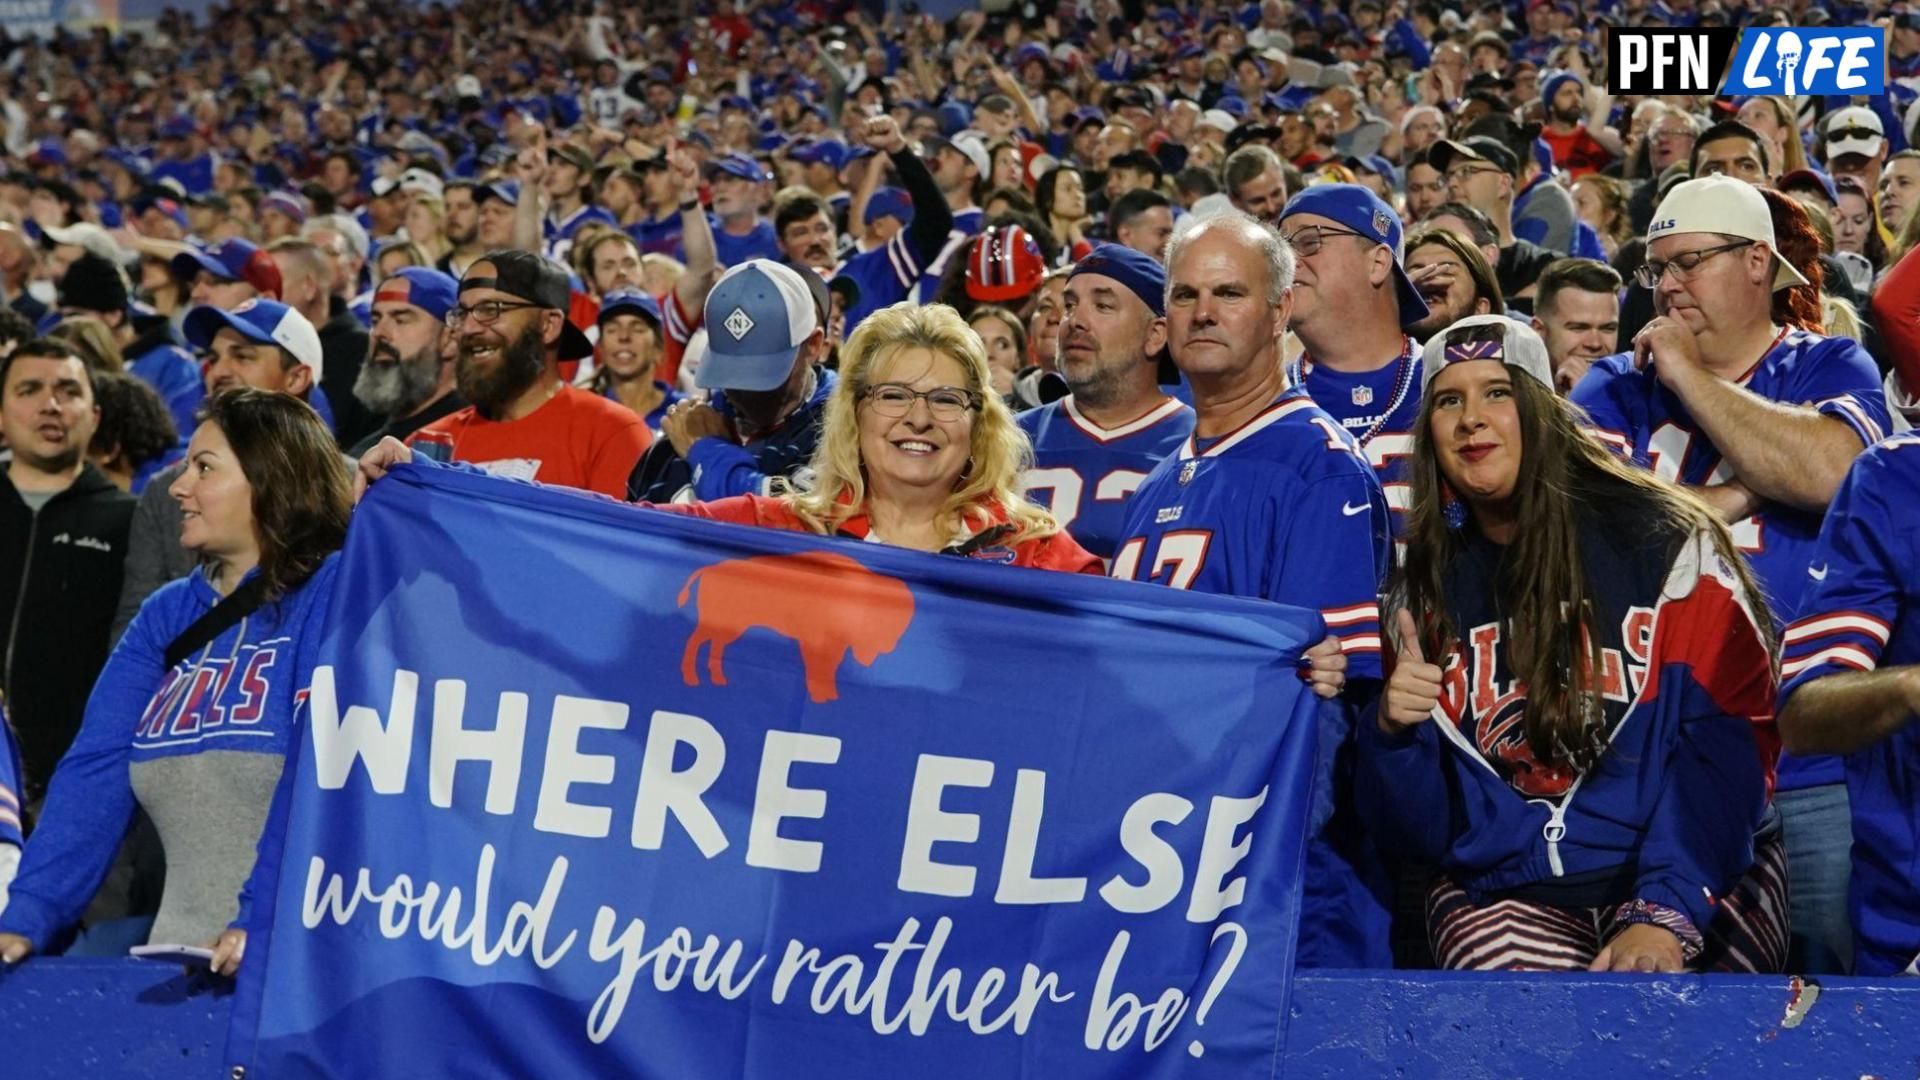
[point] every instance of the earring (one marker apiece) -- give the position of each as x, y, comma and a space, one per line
1452, 510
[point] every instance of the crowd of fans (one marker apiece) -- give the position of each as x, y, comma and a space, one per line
1372, 307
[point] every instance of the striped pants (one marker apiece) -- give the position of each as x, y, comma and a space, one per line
1748, 932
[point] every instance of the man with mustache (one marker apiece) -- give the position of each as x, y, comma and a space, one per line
1762, 421
408, 377
1352, 305
524, 421
1094, 447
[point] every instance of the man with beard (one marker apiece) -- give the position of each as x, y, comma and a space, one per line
408, 377
1577, 313
1092, 448
307, 285
462, 227
65, 529
524, 421
1453, 277
1352, 301
1576, 129
263, 344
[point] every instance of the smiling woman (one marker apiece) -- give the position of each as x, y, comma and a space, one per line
1582, 650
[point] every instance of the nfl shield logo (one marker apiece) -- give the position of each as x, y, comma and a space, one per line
1186, 472
1382, 222
1363, 395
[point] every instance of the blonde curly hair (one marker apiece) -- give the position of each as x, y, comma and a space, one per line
998, 449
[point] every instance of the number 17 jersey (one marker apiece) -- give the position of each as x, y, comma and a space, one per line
1285, 508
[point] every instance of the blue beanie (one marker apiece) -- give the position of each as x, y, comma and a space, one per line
1553, 84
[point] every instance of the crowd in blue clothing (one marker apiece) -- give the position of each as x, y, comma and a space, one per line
172, 183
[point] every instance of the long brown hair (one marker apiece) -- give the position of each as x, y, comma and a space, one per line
1795, 238
301, 493
1542, 591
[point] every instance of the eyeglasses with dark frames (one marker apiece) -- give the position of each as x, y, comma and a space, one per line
1683, 265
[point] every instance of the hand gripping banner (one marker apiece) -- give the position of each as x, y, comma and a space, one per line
586, 789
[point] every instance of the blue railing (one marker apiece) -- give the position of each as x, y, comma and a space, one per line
126, 1019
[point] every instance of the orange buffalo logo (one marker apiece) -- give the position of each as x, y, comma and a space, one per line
827, 603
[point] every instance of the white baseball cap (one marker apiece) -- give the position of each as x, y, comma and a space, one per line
1854, 130
1721, 204
267, 322
1510, 341
1219, 120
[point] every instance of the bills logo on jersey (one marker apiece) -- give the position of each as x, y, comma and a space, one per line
217, 695
1492, 712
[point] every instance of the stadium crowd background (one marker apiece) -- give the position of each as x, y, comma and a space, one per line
286, 196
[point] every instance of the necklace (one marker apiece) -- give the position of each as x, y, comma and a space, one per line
1402, 382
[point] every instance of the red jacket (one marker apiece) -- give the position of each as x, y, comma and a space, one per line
1056, 552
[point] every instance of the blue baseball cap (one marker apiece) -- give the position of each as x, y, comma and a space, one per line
1140, 274
630, 302
267, 322
1376, 164
890, 202
507, 191
230, 260
432, 291
758, 315
820, 152
1361, 210
739, 165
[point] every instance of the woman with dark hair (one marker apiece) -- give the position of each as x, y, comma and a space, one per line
1061, 196
1856, 224
1578, 731
192, 718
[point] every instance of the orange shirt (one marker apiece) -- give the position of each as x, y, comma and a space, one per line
578, 439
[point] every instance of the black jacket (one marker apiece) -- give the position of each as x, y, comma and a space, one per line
59, 582
343, 348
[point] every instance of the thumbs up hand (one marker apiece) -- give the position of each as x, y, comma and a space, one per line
1414, 688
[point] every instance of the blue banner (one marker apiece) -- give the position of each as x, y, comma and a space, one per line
585, 789
1792, 61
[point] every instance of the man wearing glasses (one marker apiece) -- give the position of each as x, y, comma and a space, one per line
1762, 421
1352, 303
1484, 174
510, 325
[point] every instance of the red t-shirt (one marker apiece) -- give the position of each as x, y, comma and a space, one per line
578, 439
1056, 552
1577, 151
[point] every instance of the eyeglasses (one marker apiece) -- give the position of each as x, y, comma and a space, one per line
1307, 241
1683, 265
1468, 172
486, 312
944, 402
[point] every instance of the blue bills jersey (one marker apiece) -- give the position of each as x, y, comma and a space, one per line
1861, 611
1284, 509
1084, 473
1644, 420
1378, 408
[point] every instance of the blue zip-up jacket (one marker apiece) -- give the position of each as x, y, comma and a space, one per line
238, 697
1668, 814
716, 468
